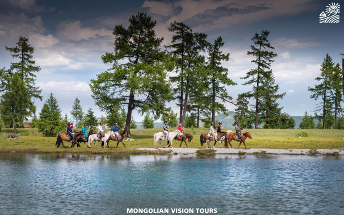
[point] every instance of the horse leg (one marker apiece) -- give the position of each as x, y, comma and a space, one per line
181, 143
161, 144
244, 144
215, 144
123, 143
117, 144
239, 145
186, 144
230, 144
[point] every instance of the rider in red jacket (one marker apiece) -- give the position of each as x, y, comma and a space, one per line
181, 129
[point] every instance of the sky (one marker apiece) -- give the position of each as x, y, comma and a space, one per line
70, 36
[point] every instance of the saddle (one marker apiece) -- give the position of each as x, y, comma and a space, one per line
102, 134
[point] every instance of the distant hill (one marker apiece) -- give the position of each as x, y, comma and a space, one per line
227, 121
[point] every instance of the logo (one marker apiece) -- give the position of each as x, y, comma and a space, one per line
331, 14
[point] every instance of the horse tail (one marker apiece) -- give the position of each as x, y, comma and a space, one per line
201, 139
58, 141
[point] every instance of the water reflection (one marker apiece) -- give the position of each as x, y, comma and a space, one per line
76, 184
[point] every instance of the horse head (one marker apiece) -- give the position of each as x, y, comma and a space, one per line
248, 134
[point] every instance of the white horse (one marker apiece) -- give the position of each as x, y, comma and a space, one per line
94, 138
171, 135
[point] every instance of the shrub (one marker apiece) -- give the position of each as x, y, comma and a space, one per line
302, 134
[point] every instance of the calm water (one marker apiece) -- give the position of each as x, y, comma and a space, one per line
95, 184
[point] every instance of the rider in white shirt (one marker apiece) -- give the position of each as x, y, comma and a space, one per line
100, 130
212, 130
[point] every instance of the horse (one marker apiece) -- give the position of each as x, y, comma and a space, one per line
182, 139
243, 138
114, 138
220, 137
171, 135
94, 138
79, 139
229, 137
65, 137
205, 138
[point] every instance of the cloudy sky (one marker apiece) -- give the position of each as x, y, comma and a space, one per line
69, 38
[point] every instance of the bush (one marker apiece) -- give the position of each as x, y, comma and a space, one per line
302, 134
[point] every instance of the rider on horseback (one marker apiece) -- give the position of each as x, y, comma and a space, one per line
100, 130
70, 131
212, 130
165, 127
115, 129
84, 131
238, 130
219, 129
180, 128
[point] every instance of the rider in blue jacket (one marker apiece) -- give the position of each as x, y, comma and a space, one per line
115, 130
84, 131
70, 131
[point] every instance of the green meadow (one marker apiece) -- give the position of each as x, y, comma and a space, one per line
33, 142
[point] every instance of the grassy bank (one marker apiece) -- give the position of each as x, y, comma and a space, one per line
32, 141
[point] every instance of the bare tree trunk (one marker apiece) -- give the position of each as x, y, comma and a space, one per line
213, 102
131, 107
197, 117
184, 108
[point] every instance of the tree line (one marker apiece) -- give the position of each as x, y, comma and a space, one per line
145, 76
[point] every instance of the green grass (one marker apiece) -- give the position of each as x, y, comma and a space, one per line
32, 141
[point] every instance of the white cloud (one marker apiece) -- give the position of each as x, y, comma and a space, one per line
290, 91
74, 31
161, 8
285, 55
295, 72
41, 41
292, 43
64, 89
28, 5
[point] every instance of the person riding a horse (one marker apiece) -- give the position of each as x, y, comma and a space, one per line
70, 131
212, 130
219, 129
100, 130
115, 130
165, 127
84, 131
238, 130
180, 128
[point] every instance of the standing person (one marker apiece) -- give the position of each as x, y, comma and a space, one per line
84, 131
180, 128
100, 130
165, 127
238, 130
70, 131
115, 130
212, 130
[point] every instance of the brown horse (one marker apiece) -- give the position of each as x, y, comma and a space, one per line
120, 139
220, 137
229, 137
78, 139
207, 138
244, 136
65, 137
182, 139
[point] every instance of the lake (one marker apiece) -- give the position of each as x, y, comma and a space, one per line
225, 184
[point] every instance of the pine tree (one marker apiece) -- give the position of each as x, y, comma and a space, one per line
90, 119
242, 113
117, 116
77, 111
190, 121
219, 78
257, 76
140, 82
323, 90
15, 101
26, 70
307, 122
148, 122
50, 121
337, 86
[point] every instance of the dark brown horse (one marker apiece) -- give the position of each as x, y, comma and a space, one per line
119, 139
79, 139
220, 137
65, 137
244, 136
182, 139
207, 138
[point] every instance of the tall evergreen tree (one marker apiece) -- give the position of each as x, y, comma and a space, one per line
15, 102
219, 78
77, 111
307, 122
26, 70
323, 90
140, 83
90, 119
257, 76
336, 85
50, 121
169, 114
242, 113
148, 122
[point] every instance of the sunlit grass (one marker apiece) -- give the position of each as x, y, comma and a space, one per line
32, 141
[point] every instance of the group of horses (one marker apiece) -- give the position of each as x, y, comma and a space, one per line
206, 138
79, 137
227, 137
